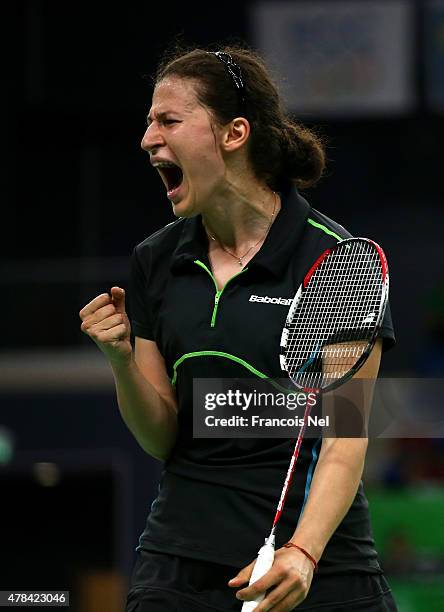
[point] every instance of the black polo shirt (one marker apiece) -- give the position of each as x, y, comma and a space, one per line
217, 497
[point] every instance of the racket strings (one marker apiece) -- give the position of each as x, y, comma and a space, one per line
333, 321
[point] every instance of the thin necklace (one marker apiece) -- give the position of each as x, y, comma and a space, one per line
240, 258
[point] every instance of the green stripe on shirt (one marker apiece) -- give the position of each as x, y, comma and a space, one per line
324, 229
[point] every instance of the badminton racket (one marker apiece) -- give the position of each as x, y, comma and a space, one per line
330, 330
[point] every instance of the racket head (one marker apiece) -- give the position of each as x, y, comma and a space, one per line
336, 314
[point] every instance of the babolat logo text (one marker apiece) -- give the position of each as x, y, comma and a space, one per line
265, 299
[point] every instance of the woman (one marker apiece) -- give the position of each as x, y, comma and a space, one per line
231, 162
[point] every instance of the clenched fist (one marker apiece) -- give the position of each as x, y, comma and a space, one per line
105, 320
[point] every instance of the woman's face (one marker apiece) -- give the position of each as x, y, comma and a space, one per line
184, 145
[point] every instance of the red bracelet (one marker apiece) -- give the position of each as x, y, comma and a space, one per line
307, 554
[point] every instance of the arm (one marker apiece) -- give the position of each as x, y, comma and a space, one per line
145, 396
337, 475
146, 399
333, 489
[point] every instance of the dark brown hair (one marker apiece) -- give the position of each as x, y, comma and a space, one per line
279, 148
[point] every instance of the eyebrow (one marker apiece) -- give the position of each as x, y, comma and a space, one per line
161, 115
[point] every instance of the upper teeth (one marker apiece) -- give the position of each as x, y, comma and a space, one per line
164, 165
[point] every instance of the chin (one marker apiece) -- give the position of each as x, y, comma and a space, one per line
184, 208
184, 214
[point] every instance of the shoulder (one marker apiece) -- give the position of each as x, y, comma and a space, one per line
161, 242
321, 226
151, 257
319, 233
317, 228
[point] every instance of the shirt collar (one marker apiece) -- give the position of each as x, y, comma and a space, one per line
277, 249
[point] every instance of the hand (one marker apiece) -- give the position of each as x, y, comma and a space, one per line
289, 578
106, 322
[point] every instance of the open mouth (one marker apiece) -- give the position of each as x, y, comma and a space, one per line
171, 174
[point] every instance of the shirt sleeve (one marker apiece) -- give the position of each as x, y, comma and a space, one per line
140, 312
387, 332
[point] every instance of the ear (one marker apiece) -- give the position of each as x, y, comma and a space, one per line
235, 134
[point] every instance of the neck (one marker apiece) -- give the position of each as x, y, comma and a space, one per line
239, 222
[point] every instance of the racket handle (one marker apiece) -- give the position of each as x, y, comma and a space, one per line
263, 563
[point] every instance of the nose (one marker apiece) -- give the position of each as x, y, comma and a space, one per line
152, 139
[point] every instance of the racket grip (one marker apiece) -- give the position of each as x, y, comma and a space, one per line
263, 563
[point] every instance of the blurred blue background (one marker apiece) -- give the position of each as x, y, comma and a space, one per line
77, 194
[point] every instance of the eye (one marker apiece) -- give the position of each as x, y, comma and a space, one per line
163, 122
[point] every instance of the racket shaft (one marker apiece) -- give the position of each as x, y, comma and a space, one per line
263, 563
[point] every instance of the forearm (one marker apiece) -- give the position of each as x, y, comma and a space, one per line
151, 418
333, 489
339, 469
